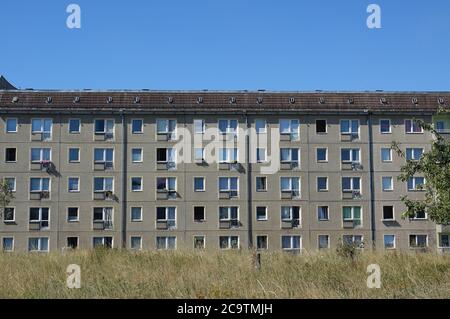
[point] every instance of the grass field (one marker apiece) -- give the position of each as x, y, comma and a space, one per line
121, 274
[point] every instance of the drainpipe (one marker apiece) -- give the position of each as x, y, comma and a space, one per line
124, 179
372, 181
249, 184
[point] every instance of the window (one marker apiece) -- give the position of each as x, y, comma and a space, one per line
261, 213
137, 126
74, 155
8, 244
229, 214
260, 126
290, 155
199, 184
422, 214
388, 213
350, 155
324, 241
167, 214
261, 242
166, 127
136, 214
72, 214
322, 155
39, 155
104, 155
389, 241
136, 155
414, 154
291, 242
351, 184
260, 155
412, 127
199, 213
11, 182
418, 241
73, 184
321, 126
199, 154
42, 126
416, 183
40, 215
440, 126
105, 215
386, 155
290, 127
444, 240
11, 155
72, 242
104, 126
322, 213
74, 126
136, 184
228, 155
261, 184
103, 184
228, 127
11, 125
291, 214
106, 242
290, 185
199, 242
165, 155
39, 184
385, 126
352, 213
322, 184
229, 242
229, 185
38, 244
387, 183
136, 242
9, 214
350, 127
166, 184
199, 126
353, 240
166, 243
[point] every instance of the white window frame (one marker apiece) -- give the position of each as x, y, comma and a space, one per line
352, 186
256, 242
229, 152
40, 184
412, 127
141, 152
228, 189
41, 154
352, 160
166, 181
412, 150
326, 154
103, 160
390, 155
68, 155
229, 240
4, 215
328, 213
326, 187
166, 219
6, 125
40, 220
106, 120
289, 160
142, 126
15, 182
228, 131
79, 126
291, 215
394, 242
291, 248
229, 214
291, 131
39, 245
203, 126
416, 235
204, 184
357, 134
166, 244
131, 184
42, 131
382, 213
140, 242
78, 214
265, 214
264, 131
172, 133
104, 178
415, 184
390, 126
318, 241
261, 190
131, 214
103, 208
391, 183
68, 184
13, 242
264, 160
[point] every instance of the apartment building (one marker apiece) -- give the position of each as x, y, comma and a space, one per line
215, 170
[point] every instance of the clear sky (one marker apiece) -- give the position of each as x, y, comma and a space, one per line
226, 45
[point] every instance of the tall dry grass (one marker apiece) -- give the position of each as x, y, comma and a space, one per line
179, 274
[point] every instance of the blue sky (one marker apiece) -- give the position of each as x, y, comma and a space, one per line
227, 45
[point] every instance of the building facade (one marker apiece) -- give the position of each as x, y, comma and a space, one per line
215, 170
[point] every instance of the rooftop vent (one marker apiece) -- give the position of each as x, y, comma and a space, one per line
109, 99
76, 99
170, 100
350, 100
200, 100
259, 100
49, 100
415, 100
383, 100
137, 100
292, 100
15, 99
441, 101
322, 100
232, 100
